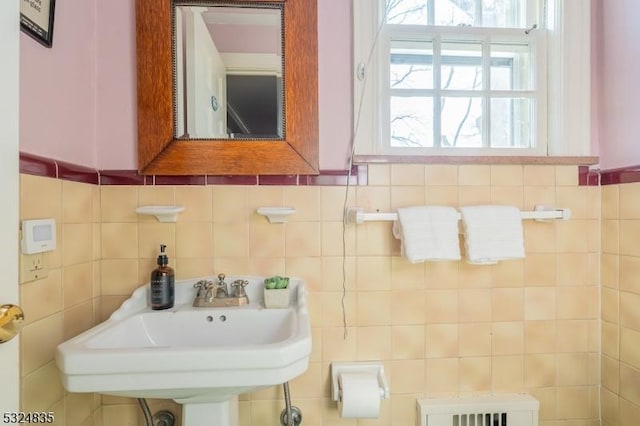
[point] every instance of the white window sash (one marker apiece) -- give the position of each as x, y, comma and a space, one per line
561, 67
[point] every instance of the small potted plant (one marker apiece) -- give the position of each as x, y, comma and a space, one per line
276, 292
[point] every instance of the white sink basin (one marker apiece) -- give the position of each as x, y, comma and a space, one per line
191, 355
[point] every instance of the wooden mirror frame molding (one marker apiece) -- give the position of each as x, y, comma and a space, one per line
160, 153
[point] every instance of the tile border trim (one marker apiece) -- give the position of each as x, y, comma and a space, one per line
629, 174
46, 167
41, 166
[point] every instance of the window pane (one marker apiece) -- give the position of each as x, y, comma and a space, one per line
411, 121
504, 13
454, 12
411, 65
511, 67
461, 66
511, 123
407, 12
461, 122
485, 13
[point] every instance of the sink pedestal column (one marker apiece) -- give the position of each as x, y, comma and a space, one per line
223, 413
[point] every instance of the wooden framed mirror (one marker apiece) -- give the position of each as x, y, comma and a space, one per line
162, 152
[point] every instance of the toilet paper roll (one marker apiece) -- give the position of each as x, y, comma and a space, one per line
360, 395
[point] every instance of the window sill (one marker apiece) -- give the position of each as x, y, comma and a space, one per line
497, 159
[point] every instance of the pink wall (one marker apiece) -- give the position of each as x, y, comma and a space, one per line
618, 91
78, 98
57, 88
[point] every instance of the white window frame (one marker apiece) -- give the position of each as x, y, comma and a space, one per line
562, 67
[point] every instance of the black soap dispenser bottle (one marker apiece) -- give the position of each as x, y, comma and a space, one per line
162, 292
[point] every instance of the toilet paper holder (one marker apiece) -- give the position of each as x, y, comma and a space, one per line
376, 368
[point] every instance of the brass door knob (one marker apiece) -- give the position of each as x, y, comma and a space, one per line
11, 318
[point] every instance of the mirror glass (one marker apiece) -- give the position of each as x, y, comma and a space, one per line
228, 72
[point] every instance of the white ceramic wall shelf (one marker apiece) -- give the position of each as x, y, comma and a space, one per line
162, 213
276, 214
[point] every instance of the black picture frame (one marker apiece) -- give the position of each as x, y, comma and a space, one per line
36, 20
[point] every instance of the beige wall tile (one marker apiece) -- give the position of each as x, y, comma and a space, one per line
197, 202
119, 203
507, 304
151, 236
407, 307
155, 196
333, 202
539, 175
407, 376
630, 347
475, 340
507, 338
77, 243
408, 342
374, 308
231, 204
443, 376
77, 202
444, 328
540, 303
407, 174
41, 388
373, 198
441, 306
375, 343
373, 273
77, 284
78, 319
507, 373
302, 239
566, 175
442, 340
379, 174
266, 240
38, 343
475, 374
334, 242
42, 298
407, 196
119, 240
630, 383
441, 175
306, 201
119, 276
572, 402
479, 175
629, 314
441, 195
629, 237
540, 370
629, 198
540, 337
40, 198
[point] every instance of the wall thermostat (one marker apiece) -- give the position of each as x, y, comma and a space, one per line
38, 235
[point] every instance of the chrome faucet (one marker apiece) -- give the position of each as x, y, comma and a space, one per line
212, 294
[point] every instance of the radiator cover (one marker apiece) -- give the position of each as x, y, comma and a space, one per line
481, 410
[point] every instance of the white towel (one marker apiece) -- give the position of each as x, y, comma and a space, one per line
428, 233
492, 233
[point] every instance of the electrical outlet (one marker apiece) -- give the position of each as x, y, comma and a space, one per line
32, 267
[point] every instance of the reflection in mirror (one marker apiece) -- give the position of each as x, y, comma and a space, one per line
228, 72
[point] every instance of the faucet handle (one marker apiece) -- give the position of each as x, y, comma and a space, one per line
202, 286
221, 278
239, 286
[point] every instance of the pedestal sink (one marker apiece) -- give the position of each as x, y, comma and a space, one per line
200, 357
